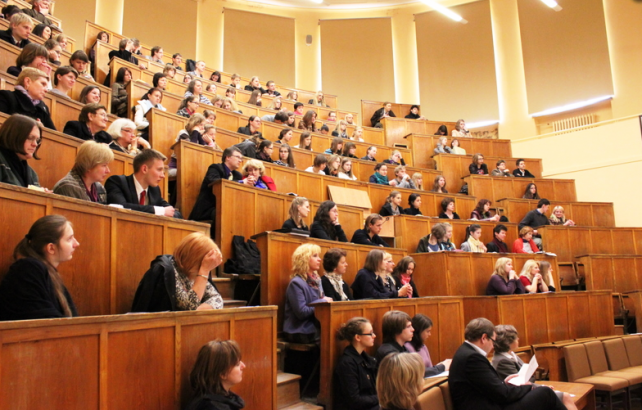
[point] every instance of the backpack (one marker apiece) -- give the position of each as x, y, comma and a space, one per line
246, 259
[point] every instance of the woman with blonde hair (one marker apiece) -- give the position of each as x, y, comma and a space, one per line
504, 280
400, 380
532, 278
345, 169
299, 209
558, 218
255, 85
305, 141
318, 100
230, 105
442, 146
460, 129
341, 130
299, 323
357, 134
181, 281
276, 104
418, 180
253, 171
292, 96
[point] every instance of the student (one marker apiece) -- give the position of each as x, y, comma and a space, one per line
195, 87
286, 134
90, 169
43, 31
422, 325
531, 277
380, 175
308, 121
326, 223
482, 212
255, 98
199, 69
264, 151
152, 99
536, 218
400, 381
255, 85
448, 209
177, 61
32, 288
319, 165
335, 147
368, 284
55, 51
286, 159
504, 280
478, 167
531, 192
437, 240
501, 170
319, 100
414, 114
20, 138
91, 124
349, 118
17, 34
497, 245
335, 266
369, 235
341, 130
521, 171
455, 148
439, 186
402, 179
123, 131
292, 96
345, 169
218, 368
156, 55
181, 281
402, 275
395, 159
305, 141
64, 80
119, 92
370, 154
80, 62
90, 95
356, 372
442, 148
473, 242
31, 86
546, 270
460, 129
418, 180
349, 150
298, 108
558, 218
140, 191
442, 130
253, 171
334, 164
397, 330
392, 206
188, 106
357, 134
325, 130
253, 126
525, 242
271, 89
299, 209
383, 112
414, 202
160, 81
298, 319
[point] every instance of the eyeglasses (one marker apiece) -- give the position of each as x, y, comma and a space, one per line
36, 140
371, 334
237, 156
491, 339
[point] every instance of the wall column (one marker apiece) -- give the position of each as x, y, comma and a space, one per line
109, 14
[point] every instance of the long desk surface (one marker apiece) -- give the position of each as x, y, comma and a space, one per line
496, 188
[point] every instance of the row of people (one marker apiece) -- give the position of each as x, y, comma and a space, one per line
478, 167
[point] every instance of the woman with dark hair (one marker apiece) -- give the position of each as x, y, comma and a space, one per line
369, 235
285, 156
482, 212
335, 266
90, 95
326, 223
414, 202
264, 151
253, 126
402, 275
152, 99
336, 146
255, 98
473, 242
20, 138
531, 192
195, 87
43, 31
119, 92
285, 136
392, 206
216, 77
355, 373
255, 85
368, 283
32, 55
188, 106
439, 186
218, 368
33, 288
448, 209
437, 240
160, 81
307, 122
319, 165
349, 150
477, 167
101, 36
423, 328
380, 175
299, 209
442, 130
305, 141
455, 148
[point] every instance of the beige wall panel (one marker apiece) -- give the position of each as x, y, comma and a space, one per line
566, 56
457, 65
357, 61
259, 44
73, 14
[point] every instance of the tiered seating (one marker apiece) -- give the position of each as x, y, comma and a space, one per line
582, 213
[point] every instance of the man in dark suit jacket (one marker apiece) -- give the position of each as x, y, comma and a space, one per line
140, 191
475, 385
19, 30
17, 102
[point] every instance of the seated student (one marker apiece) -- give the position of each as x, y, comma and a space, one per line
439, 186
80, 62
255, 98
442, 130
448, 209
473, 242
210, 116
230, 105
531, 277
414, 202
319, 165
140, 191
255, 84
341, 130
39, 11
393, 205
26, 99
90, 169
332, 116
368, 284
308, 121
160, 81
188, 106
455, 148
504, 280
326, 223
101, 36
402, 275
336, 147
286, 159
349, 119
90, 95
187, 78
124, 52
17, 34
395, 159
181, 281
91, 124
271, 89
521, 171
119, 92
497, 245
335, 266
380, 175
536, 218
285, 136
218, 368
474, 383
280, 117
402, 179
400, 381
558, 218
32, 288
369, 235
54, 50
349, 150
418, 180
193, 132
20, 138
414, 114
385, 274
482, 212
152, 99
264, 151
356, 372
169, 71
383, 112
442, 148
501, 170
437, 240
177, 61
319, 100
345, 169
397, 330
64, 80
324, 130
123, 132
370, 154
253, 171
253, 126
209, 136
422, 325
9, 11
334, 163
299, 323
478, 167
460, 129
298, 108
199, 69
156, 55
195, 87
525, 242
299, 209
531, 192
292, 96
357, 134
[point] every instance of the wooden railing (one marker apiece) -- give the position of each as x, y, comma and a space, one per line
496, 188
582, 213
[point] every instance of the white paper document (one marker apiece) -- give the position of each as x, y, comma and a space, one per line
525, 373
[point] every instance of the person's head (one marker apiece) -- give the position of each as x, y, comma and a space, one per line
460, 125
42, 30
195, 87
506, 339
483, 206
349, 118
54, 49
255, 98
320, 162
478, 159
423, 327
396, 325
177, 59
299, 209
124, 44
218, 367
325, 130
454, 142
228, 104
160, 81
526, 233
414, 109
503, 266
346, 166
298, 107
286, 135
50, 240
169, 71
374, 259
336, 145
157, 52
149, 167
320, 96
265, 147
254, 123
123, 129
22, 135
187, 79
94, 115
10, 10
32, 55
210, 116
358, 132
332, 116
443, 141
334, 164
448, 204
309, 117
285, 155
334, 261
124, 75
406, 266
41, 5
255, 82
531, 191
196, 121
90, 95
92, 161
306, 259
439, 231
135, 44
357, 331
558, 214
501, 165
387, 106
79, 61
103, 36
395, 156
215, 76
292, 95
442, 130
400, 171
439, 183
236, 79
499, 232
372, 151
394, 197
232, 157
189, 253
327, 213
480, 331
253, 167
191, 103
21, 26
373, 224
65, 77
381, 168
276, 105
543, 205
521, 164
544, 269
200, 66
414, 201
530, 269
349, 148
473, 230
418, 180
400, 380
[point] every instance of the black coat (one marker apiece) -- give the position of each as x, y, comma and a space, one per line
206, 202
386, 210
317, 231
121, 190
517, 173
330, 292
472, 168
398, 285
376, 117
6, 36
534, 219
386, 348
361, 237
16, 102
367, 285
217, 402
290, 225
250, 89
81, 130
412, 211
355, 381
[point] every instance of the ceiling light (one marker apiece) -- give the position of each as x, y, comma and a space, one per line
552, 4
445, 11
573, 106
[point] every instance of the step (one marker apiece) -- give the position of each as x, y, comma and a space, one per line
231, 303
287, 389
225, 286
303, 406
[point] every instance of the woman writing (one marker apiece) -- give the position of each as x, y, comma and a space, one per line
326, 223
299, 209
482, 211
402, 275
473, 243
504, 280
393, 205
369, 235
423, 328
335, 266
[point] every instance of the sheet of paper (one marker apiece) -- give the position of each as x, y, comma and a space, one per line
443, 374
525, 373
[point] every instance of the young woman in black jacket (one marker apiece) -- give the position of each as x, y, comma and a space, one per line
326, 223
414, 201
477, 167
369, 235
335, 266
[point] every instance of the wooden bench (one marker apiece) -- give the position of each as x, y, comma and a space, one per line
496, 188
582, 213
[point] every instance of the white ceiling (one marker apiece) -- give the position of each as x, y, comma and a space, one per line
346, 4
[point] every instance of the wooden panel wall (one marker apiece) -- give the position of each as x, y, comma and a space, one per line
582, 213
619, 273
570, 242
496, 188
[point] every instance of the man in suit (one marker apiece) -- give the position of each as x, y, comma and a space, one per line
19, 30
140, 191
475, 385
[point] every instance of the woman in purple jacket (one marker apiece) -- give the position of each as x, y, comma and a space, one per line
504, 280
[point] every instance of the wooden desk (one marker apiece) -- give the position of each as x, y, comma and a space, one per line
582, 213
368, 109
140, 361
584, 393
395, 129
619, 273
496, 188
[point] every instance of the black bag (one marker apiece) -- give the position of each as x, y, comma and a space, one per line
464, 189
190, 65
246, 259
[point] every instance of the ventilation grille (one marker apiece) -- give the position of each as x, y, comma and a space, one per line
574, 122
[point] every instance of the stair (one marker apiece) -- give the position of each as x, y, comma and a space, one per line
303, 406
287, 390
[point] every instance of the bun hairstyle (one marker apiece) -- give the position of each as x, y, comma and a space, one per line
351, 328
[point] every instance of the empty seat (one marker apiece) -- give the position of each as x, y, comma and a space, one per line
633, 346
617, 357
431, 399
599, 364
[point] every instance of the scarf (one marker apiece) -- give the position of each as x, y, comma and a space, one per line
21, 89
405, 279
380, 179
475, 245
314, 281
337, 283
